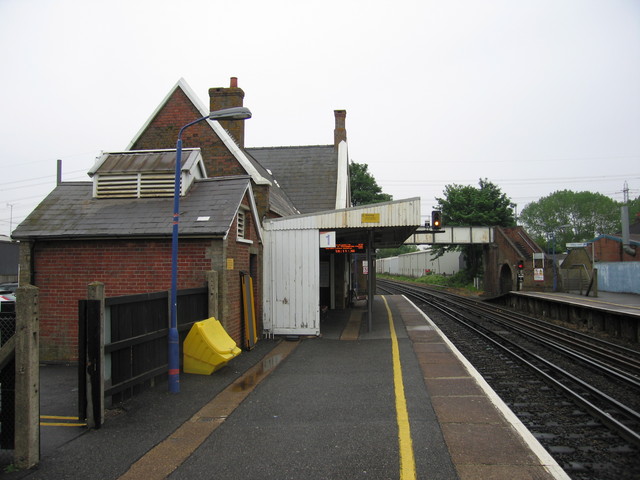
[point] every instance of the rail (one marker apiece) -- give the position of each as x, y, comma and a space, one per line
613, 402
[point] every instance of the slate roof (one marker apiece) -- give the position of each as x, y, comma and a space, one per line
70, 211
279, 201
307, 174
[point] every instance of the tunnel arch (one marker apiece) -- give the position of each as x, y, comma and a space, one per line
506, 279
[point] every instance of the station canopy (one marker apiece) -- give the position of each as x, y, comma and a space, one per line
389, 223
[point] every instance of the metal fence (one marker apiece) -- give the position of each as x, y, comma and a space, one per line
7, 390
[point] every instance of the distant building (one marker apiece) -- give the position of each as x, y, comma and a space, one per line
616, 259
9, 255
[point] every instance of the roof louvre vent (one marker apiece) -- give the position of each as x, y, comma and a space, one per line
134, 186
144, 174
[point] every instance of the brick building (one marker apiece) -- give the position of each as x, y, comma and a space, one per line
611, 248
8, 260
116, 228
79, 237
513, 247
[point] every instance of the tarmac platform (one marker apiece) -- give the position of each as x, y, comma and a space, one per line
398, 402
622, 303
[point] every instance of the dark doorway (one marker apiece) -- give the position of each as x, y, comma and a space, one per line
506, 279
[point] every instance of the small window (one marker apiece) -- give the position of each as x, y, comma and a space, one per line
244, 225
241, 224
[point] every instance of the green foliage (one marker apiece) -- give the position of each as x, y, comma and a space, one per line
634, 210
459, 281
468, 205
465, 205
394, 252
364, 188
571, 216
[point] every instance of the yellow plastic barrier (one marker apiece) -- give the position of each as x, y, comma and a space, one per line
207, 348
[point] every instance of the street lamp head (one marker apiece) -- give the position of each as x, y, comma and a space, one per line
233, 113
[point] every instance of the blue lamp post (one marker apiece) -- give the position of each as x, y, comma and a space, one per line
235, 113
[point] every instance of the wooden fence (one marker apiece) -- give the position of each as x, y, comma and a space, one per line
123, 344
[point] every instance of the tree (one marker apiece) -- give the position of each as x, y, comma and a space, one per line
571, 216
634, 210
364, 188
468, 205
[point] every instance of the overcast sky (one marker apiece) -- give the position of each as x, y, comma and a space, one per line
536, 96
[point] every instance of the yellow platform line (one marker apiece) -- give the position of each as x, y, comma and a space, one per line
76, 422
62, 424
407, 460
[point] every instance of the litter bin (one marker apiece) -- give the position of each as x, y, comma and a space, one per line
207, 348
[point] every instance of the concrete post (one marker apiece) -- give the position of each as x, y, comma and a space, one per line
27, 434
212, 282
25, 254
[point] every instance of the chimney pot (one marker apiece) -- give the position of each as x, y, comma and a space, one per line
234, 82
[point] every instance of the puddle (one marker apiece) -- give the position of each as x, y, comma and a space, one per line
250, 380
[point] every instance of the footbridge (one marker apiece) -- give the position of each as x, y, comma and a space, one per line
511, 259
453, 236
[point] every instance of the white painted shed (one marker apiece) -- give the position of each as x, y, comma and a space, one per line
293, 275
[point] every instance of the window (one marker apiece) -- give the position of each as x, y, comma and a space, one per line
243, 232
241, 224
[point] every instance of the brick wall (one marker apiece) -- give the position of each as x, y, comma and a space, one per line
609, 250
240, 253
162, 132
64, 269
507, 256
261, 197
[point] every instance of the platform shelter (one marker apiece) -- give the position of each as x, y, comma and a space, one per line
309, 260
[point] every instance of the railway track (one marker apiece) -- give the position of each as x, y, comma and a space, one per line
579, 395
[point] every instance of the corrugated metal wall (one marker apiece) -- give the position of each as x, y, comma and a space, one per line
623, 277
416, 264
391, 214
292, 282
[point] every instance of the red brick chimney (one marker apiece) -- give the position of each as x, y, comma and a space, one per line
340, 132
233, 96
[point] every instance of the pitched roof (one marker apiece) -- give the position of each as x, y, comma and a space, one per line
307, 174
222, 134
279, 202
70, 211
